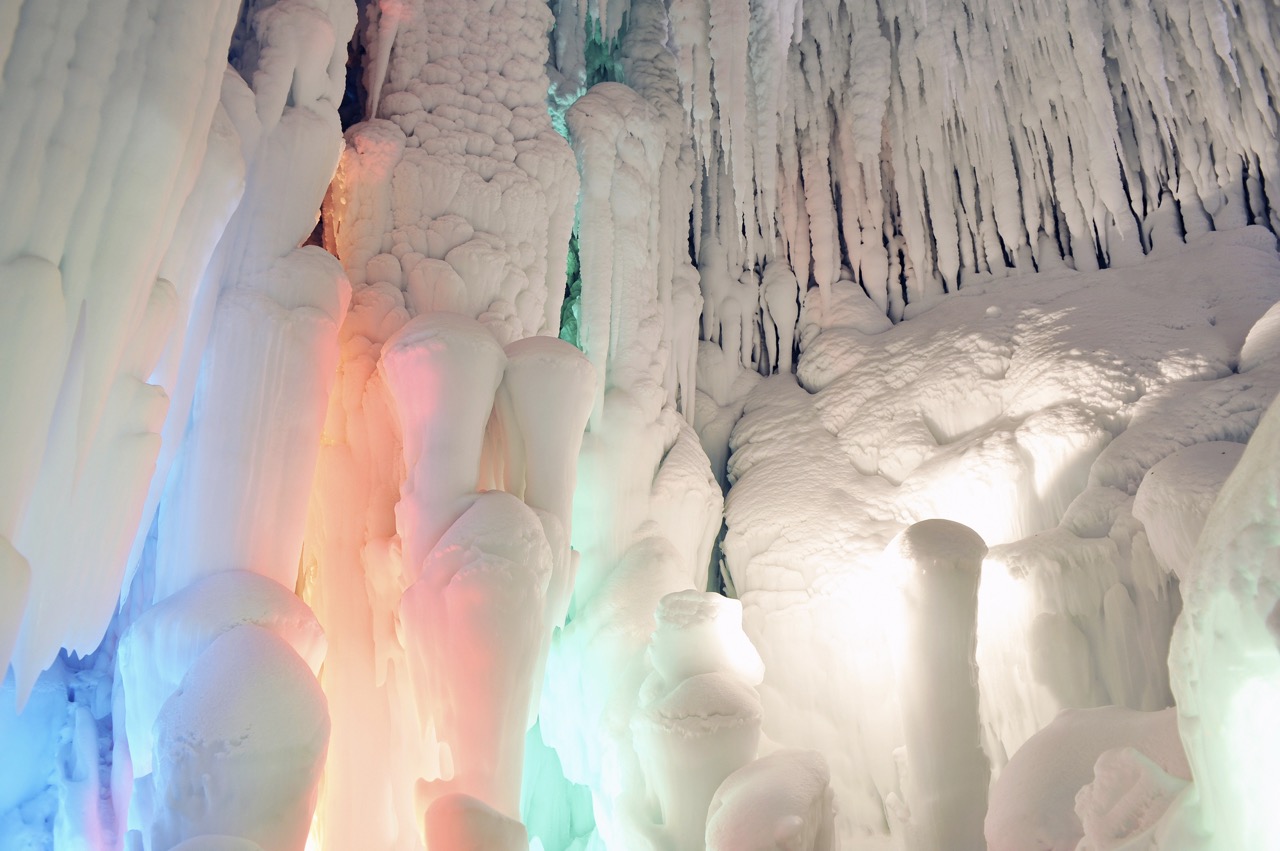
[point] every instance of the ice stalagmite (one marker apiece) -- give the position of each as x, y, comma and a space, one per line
779, 802
946, 770
699, 715
474, 625
240, 745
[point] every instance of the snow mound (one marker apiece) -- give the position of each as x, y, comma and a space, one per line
1175, 497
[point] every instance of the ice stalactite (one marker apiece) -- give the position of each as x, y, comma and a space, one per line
96, 310
908, 148
451, 213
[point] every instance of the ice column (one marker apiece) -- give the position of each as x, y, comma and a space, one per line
232, 515
946, 771
103, 147
451, 213
237, 496
443, 370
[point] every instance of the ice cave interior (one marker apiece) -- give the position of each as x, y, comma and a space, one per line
642, 425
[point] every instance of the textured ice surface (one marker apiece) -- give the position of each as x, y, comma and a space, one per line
160, 647
239, 747
1224, 661
98, 158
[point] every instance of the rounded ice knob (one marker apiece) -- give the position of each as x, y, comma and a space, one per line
939, 544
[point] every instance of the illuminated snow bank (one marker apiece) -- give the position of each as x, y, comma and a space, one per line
1029, 409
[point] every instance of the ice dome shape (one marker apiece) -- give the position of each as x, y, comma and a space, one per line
457, 822
210, 842
1033, 804
240, 745
780, 802
161, 646
1175, 497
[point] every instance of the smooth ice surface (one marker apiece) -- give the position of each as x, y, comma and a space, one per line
460, 823
161, 646
946, 772
1224, 662
1175, 497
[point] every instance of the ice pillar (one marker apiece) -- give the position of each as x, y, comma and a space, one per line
947, 771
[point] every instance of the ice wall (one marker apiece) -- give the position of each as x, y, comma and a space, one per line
222, 561
646, 510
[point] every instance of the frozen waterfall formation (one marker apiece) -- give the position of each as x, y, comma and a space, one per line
888, 489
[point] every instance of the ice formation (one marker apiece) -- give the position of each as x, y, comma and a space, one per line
888, 489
